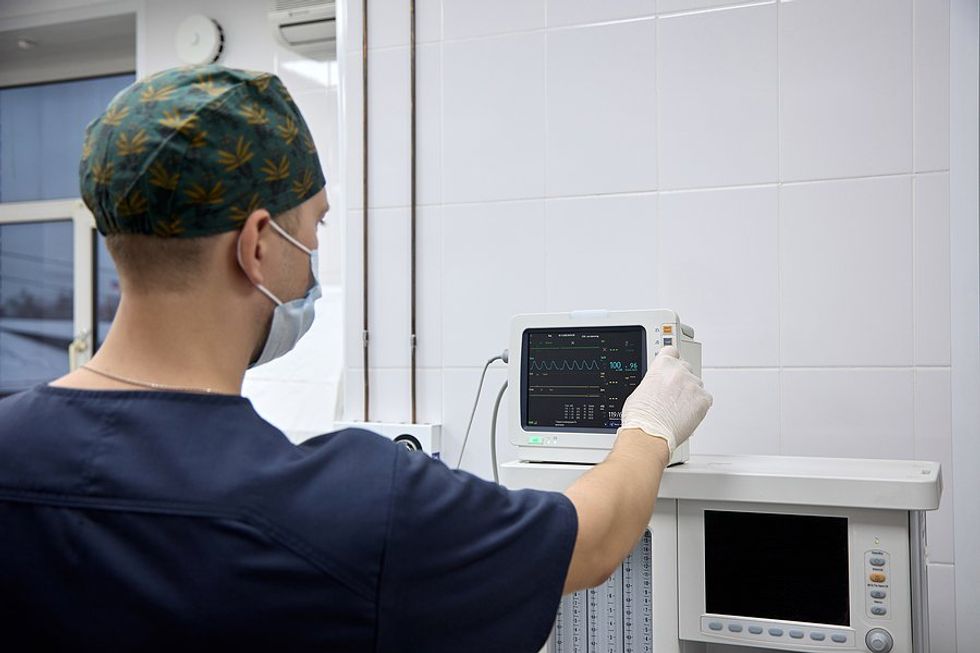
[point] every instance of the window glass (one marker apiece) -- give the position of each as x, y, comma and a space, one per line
41, 132
106, 290
36, 302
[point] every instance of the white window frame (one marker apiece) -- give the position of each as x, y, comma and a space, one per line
83, 239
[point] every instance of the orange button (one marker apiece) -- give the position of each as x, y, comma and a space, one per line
877, 577
668, 329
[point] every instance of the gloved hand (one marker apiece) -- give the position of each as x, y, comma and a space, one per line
670, 402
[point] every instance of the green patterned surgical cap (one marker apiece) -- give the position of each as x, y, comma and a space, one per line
194, 151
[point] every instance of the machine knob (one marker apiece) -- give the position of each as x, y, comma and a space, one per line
879, 640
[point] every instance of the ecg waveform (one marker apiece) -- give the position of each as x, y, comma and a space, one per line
564, 366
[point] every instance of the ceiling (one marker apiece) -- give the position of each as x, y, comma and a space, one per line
86, 48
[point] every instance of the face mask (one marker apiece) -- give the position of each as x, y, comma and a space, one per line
291, 320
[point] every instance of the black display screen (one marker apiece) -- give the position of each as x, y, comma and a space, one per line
578, 379
768, 566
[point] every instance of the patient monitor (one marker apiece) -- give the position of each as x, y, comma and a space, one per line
571, 373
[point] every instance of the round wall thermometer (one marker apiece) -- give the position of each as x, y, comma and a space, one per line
199, 40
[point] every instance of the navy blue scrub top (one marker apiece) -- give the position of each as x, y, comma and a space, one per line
157, 520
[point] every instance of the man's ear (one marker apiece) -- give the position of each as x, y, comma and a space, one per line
252, 247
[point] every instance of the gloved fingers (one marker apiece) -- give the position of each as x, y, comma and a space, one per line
670, 351
687, 366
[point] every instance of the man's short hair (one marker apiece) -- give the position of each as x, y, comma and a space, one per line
148, 264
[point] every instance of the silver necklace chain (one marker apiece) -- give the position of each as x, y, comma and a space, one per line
146, 384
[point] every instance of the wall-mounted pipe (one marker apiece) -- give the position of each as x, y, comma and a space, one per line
365, 334
414, 335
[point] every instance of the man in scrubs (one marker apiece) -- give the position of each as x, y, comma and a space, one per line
144, 505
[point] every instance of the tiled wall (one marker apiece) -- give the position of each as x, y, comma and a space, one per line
777, 172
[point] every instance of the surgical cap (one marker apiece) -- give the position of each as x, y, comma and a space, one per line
194, 151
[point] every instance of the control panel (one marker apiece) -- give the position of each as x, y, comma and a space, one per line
776, 632
876, 564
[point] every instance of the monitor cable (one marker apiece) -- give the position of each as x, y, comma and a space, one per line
504, 356
493, 434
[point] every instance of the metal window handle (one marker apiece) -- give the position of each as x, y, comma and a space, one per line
77, 346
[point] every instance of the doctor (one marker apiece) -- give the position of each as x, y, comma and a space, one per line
144, 505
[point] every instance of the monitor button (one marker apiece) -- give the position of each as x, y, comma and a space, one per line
796, 634
840, 639
877, 562
735, 628
877, 577
818, 637
755, 630
878, 594
715, 625
879, 610
776, 632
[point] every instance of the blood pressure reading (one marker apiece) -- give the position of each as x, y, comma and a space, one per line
578, 379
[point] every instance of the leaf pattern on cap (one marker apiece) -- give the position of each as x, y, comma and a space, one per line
126, 146
199, 139
240, 213
151, 94
197, 194
274, 171
303, 185
102, 174
254, 114
159, 176
288, 130
133, 204
169, 228
208, 85
177, 122
234, 160
115, 115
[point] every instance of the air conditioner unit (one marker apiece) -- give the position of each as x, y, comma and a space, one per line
304, 25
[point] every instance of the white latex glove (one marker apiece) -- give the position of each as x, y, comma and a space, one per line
670, 401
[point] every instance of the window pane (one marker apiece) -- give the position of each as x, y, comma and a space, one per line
41, 132
36, 302
106, 290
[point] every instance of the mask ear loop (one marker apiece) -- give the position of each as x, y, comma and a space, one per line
282, 232
259, 286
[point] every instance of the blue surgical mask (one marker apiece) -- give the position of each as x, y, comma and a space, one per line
290, 320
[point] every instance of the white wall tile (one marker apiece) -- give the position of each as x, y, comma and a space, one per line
493, 126
459, 392
468, 18
428, 137
845, 88
934, 441
388, 23
493, 269
391, 398
600, 252
389, 128
717, 261
846, 272
390, 287
942, 608
744, 418
718, 98
582, 12
674, 6
931, 110
932, 270
601, 118
847, 413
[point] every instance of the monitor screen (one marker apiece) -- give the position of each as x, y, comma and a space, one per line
578, 379
769, 566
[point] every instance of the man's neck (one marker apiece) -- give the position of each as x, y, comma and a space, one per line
173, 341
